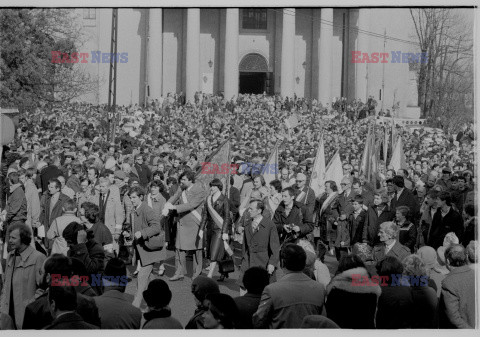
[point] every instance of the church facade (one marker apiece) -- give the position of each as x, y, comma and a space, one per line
319, 53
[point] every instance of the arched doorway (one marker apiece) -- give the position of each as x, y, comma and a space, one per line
254, 75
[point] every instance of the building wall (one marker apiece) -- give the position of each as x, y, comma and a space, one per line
268, 43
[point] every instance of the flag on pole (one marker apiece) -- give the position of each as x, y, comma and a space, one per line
385, 145
215, 166
270, 169
366, 153
317, 180
369, 158
334, 170
398, 156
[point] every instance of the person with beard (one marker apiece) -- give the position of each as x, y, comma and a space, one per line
22, 273
37, 313
188, 203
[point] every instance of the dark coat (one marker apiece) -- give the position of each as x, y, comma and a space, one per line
373, 222
160, 319
295, 217
356, 227
144, 174
325, 218
247, 305
47, 173
306, 203
451, 222
234, 201
261, 248
407, 199
398, 250
352, 307
471, 232
117, 312
407, 235
38, 316
425, 307
346, 202
70, 321
212, 231
196, 322
16, 205
285, 303
45, 217
91, 254
395, 308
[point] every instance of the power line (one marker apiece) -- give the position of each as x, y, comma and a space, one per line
356, 29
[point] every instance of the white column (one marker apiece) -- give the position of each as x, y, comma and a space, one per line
155, 49
325, 57
362, 46
231, 53
288, 53
193, 53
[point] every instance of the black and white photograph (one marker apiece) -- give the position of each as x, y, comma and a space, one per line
239, 165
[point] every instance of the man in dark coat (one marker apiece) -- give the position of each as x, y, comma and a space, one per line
404, 197
114, 306
288, 217
63, 304
16, 203
37, 313
261, 245
51, 206
356, 220
143, 171
445, 220
85, 249
285, 303
377, 214
255, 279
48, 173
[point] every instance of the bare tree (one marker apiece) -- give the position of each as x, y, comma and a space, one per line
447, 77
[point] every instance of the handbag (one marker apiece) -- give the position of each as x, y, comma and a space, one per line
226, 266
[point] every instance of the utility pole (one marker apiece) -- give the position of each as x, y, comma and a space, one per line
383, 67
112, 78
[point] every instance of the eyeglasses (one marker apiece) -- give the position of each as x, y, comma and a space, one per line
343, 184
299, 181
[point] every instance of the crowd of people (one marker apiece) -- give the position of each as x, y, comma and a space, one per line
80, 209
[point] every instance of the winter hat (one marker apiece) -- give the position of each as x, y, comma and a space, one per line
158, 294
202, 285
